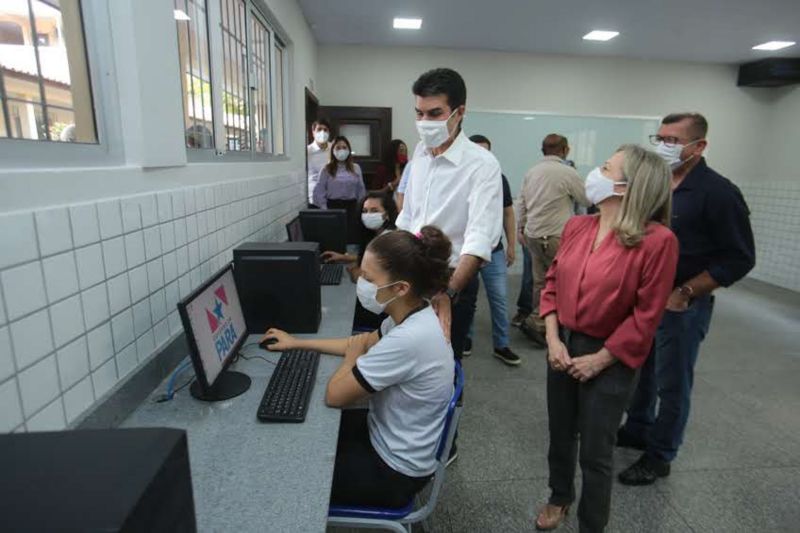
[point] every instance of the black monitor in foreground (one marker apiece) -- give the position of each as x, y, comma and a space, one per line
215, 331
328, 227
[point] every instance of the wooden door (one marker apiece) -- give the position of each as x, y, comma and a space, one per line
369, 130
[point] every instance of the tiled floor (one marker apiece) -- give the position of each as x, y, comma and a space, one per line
739, 469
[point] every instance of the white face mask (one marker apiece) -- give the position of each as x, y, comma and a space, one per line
434, 133
321, 136
342, 154
372, 221
367, 293
599, 187
672, 154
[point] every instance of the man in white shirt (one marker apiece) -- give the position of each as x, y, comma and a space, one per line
456, 185
318, 154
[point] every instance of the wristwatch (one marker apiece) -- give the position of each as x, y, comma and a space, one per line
452, 294
686, 290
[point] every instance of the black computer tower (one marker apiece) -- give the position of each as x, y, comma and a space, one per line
126, 480
278, 285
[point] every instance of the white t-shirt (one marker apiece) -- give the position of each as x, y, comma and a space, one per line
410, 372
317, 158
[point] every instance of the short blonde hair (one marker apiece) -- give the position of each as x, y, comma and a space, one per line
648, 196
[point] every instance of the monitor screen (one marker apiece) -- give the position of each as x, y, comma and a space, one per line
328, 227
215, 322
295, 230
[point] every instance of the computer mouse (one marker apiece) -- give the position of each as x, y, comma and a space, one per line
267, 342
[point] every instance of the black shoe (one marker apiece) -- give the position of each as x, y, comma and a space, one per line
507, 356
645, 471
519, 318
467, 348
626, 440
538, 340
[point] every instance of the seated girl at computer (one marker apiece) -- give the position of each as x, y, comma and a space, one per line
405, 368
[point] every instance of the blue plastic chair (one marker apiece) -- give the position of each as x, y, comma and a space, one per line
402, 519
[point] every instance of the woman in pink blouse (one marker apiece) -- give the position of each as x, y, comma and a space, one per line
603, 300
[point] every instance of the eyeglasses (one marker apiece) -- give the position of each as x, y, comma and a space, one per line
655, 140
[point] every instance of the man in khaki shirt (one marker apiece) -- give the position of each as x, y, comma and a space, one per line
549, 192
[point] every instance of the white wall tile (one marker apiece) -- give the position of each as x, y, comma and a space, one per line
78, 399
95, 305
122, 329
85, 227
141, 317
167, 237
23, 288
51, 418
152, 242
73, 362
119, 294
60, 276
200, 199
194, 254
52, 226
31, 338
3, 317
178, 204
145, 345
134, 248
90, 265
155, 275
164, 200
67, 319
161, 332
184, 285
104, 378
110, 217
114, 256
6, 357
170, 267
158, 305
10, 409
189, 200
172, 293
17, 239
126, 360
149, 211
139, 285
175, 325
182, 257
100, 345
181, 234
38, 385
191, 228
131, 215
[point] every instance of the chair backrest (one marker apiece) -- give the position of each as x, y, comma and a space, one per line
451, 409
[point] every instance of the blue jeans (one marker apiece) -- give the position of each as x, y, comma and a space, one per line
495, 279
668, 375
525, 300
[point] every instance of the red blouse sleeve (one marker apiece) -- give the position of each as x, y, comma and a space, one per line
632, 340
547, 299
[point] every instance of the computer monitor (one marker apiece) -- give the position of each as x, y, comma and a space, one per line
328, 227
215, 331
294, 230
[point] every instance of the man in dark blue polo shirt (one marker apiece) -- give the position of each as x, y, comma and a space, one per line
712, 222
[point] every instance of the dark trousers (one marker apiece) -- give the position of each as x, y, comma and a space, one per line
525, 300
463, 312
360, 476
668, 375
593, 411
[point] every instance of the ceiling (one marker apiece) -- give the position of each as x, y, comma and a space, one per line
717, 31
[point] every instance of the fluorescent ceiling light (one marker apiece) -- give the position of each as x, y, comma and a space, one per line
180, 15
407, 24
529, 118
774, 45
600, 35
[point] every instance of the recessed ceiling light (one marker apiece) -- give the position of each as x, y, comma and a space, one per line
774, 45
528, 118
600, 35
181, 15
407, 24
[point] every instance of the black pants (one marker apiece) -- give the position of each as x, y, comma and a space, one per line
463, 313
360, 476
592, 410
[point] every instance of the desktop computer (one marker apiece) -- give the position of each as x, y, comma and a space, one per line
330, 273
215, 331
279, 285
328, 227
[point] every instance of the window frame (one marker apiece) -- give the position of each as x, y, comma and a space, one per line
17, 154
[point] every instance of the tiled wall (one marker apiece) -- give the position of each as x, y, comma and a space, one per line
88, 292
775, 215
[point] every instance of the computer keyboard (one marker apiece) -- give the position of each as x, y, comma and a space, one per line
331, 274
286, 397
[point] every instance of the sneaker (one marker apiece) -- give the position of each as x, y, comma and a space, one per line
626, 440
645, 471
467, 348
453, 455
507, 356
538, 340
519, 318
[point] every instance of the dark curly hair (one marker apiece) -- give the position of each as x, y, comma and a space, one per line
421, 259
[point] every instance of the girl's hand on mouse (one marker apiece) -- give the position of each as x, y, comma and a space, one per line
284, 340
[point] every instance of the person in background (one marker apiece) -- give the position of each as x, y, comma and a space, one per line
389, 172
495, 275
712, 222
386, 454
341, 185
548, 194
401, 187
603, 298
318, 154
525, 298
